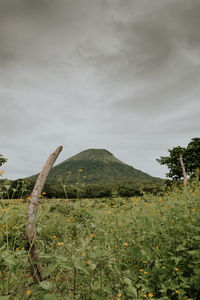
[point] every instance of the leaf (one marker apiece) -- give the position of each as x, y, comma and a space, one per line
80, 266
132, 291
127, 281
50, 297
46, 285
2, 204
50, 270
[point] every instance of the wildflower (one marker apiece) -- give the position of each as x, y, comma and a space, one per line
60, 244
80, 170
176, 269
87, 262
145, 273
28, 198
43, 193
119, 295
15, 227
157, 247
109, 212
145, 261
163, 267
4, 210
84, 176
28, 292
125, 244
150, 295
176, 291
141, 270
54, 237
69, 219
69, 172
2, 172
16, 249
92, 234
83, 254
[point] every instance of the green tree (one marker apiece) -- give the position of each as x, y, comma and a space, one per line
2, 160
190, 157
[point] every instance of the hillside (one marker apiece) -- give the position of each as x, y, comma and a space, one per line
94, 166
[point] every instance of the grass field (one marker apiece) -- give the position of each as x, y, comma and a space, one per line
113, 248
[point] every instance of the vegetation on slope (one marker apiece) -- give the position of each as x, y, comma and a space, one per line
95, 166
111, 248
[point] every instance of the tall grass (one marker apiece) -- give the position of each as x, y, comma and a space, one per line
112, 248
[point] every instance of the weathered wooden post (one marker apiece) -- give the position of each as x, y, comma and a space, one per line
36, 270
183, 170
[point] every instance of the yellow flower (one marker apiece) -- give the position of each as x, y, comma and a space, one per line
109, 212
2, 172
60, 244
157, 247
125, 244
163, 267
29, 197
69, 172
119, 295
43, 193
83, 254
176, 269
80, 170
54, 237
28, 292
145, 273
145, 261
4, 210
84, 176
177, 291
141, 270
15, 227
92, 234
150, 295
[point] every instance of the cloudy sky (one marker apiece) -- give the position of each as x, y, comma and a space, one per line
122, 75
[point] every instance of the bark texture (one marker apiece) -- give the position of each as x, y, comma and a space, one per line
31, 213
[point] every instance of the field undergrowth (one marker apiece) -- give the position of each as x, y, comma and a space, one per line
110, 248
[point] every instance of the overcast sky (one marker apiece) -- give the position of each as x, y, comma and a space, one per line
123, 75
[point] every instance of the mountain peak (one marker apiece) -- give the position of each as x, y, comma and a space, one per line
102, 155
97, 165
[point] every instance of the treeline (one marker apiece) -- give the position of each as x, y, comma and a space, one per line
22, 188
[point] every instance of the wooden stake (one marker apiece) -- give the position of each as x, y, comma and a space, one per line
183, 171
31, 213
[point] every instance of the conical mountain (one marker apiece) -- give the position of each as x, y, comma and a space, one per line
94, 166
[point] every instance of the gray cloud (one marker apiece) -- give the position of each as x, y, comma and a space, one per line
122, 75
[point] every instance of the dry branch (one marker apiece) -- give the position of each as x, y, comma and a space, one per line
31, 213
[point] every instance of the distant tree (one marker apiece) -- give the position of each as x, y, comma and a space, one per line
182, 161
2, 160
192, 155
173, 163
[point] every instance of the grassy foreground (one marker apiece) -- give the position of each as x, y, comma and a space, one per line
117, 248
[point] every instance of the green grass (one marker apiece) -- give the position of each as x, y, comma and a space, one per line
117, 248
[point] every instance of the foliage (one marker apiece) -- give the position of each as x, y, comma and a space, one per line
108, 248
191, 159
2, 160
